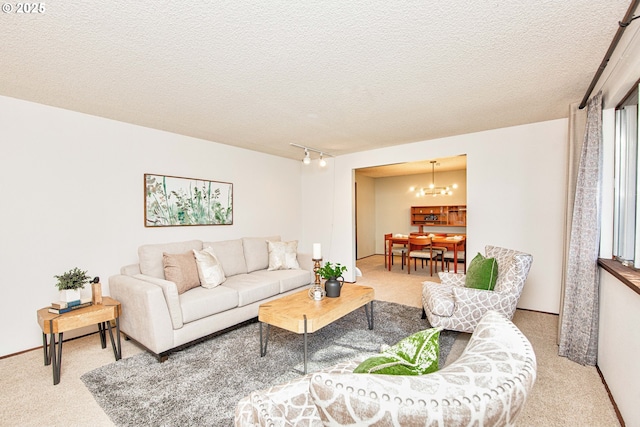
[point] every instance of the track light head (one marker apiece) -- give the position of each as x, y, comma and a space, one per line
307, 157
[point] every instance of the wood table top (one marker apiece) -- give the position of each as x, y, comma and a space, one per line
87, 316
288, 312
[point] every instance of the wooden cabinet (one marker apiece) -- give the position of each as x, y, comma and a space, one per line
441, 216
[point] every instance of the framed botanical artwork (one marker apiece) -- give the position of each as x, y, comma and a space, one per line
173, 201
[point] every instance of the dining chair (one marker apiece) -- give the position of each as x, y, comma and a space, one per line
449, 254
421, 247
422, 234
462, 258
442, 249
399, 250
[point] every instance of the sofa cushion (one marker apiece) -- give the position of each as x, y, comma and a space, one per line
417, 354
231, 256
256, 252
283, 255
252, 288
289, 279
201, 302
482, 273
150, 256
209, 269
181, 269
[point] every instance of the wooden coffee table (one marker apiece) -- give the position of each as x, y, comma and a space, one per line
300, 314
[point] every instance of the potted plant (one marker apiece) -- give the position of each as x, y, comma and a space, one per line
70, 283
332, 272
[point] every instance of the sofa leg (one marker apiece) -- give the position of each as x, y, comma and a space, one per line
424, 314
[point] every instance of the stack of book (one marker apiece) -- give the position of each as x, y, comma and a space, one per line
60, 307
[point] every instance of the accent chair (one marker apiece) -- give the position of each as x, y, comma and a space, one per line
451, 305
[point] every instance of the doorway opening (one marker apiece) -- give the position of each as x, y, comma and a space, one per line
386, 193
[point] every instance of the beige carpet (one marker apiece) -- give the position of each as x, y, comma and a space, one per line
565, 394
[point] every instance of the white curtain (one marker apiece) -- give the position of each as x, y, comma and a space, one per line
579, 320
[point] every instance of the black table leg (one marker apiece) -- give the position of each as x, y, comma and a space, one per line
369, 317
116, 351
118, 338
263, 349
55, 357
45, 350
102, 332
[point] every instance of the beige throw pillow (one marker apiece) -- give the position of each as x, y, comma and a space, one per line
209, 268
181, 269
283, 255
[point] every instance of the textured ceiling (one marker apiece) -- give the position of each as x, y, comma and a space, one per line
339, 76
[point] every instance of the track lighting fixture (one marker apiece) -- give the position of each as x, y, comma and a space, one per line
307, 157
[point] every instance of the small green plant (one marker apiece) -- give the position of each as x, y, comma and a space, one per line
72, 279
331, 270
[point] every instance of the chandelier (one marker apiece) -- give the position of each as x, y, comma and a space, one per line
432, 189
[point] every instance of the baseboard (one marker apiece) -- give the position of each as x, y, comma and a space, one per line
613, 402
6, 356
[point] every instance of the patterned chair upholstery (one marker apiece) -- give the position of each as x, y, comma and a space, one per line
450, 305
486, 386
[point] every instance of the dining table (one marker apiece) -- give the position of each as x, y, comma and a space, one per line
455, 243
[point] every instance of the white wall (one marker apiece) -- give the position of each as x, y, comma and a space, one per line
72, 195
515, 188
619, 345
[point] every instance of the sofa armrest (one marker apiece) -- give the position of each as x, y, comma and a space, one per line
170, 291
145, 314
275, 406
287, 404
130, 270
455, 279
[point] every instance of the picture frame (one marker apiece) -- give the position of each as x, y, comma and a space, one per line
172, 201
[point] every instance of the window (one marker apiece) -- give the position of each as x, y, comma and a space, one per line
626, 242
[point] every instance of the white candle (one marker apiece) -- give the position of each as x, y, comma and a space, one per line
317, 252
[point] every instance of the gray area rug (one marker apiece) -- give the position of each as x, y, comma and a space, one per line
202, 384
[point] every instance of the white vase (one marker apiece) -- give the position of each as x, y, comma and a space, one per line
67, 295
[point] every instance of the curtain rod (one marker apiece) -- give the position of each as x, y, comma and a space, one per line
622, 26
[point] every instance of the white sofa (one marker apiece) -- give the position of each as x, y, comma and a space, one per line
156, 316
486, 386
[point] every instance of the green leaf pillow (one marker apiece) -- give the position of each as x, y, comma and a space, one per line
417, 354
482, 273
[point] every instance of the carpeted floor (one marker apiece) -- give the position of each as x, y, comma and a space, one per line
202, 384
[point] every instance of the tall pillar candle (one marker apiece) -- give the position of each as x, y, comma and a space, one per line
317, 251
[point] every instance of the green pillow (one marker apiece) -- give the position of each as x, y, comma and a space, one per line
417, 354
482, 273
